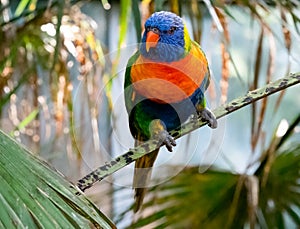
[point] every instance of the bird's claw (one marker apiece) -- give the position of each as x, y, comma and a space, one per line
167, 139
208, 116
158, 131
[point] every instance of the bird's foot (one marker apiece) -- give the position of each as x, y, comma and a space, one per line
208, 116
166, 139
159, 132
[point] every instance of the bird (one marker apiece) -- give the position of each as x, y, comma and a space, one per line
165, 81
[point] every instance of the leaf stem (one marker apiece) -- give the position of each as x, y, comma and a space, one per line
133, 154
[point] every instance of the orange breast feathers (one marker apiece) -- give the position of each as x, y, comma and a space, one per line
169, 82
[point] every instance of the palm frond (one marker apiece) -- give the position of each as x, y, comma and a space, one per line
192, 200
33, 195
218, 199
280, 197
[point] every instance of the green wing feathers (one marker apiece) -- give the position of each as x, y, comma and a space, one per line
128, 90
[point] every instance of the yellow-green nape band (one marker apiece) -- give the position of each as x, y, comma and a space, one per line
187, 39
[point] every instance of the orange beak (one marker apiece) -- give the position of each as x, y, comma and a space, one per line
151, 40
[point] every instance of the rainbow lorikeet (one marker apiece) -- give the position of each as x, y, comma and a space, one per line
164, 85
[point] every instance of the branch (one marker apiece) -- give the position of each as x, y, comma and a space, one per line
137, 152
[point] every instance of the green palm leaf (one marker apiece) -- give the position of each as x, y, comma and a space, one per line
219, 199
280, 198
32, 195
193, 200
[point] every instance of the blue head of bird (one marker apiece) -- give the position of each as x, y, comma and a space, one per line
164, 37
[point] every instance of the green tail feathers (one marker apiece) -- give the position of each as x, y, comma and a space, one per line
142, 175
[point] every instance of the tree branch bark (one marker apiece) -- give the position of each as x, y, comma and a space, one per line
133, 154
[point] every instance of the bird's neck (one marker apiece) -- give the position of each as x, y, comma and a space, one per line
187, 39
163, 52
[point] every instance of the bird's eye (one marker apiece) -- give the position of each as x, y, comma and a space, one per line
172, 30
148, 28
155, 30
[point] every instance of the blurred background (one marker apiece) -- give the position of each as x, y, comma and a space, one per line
61, 95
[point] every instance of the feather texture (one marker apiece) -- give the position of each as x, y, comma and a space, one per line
164, 85
170, 82
142, 175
